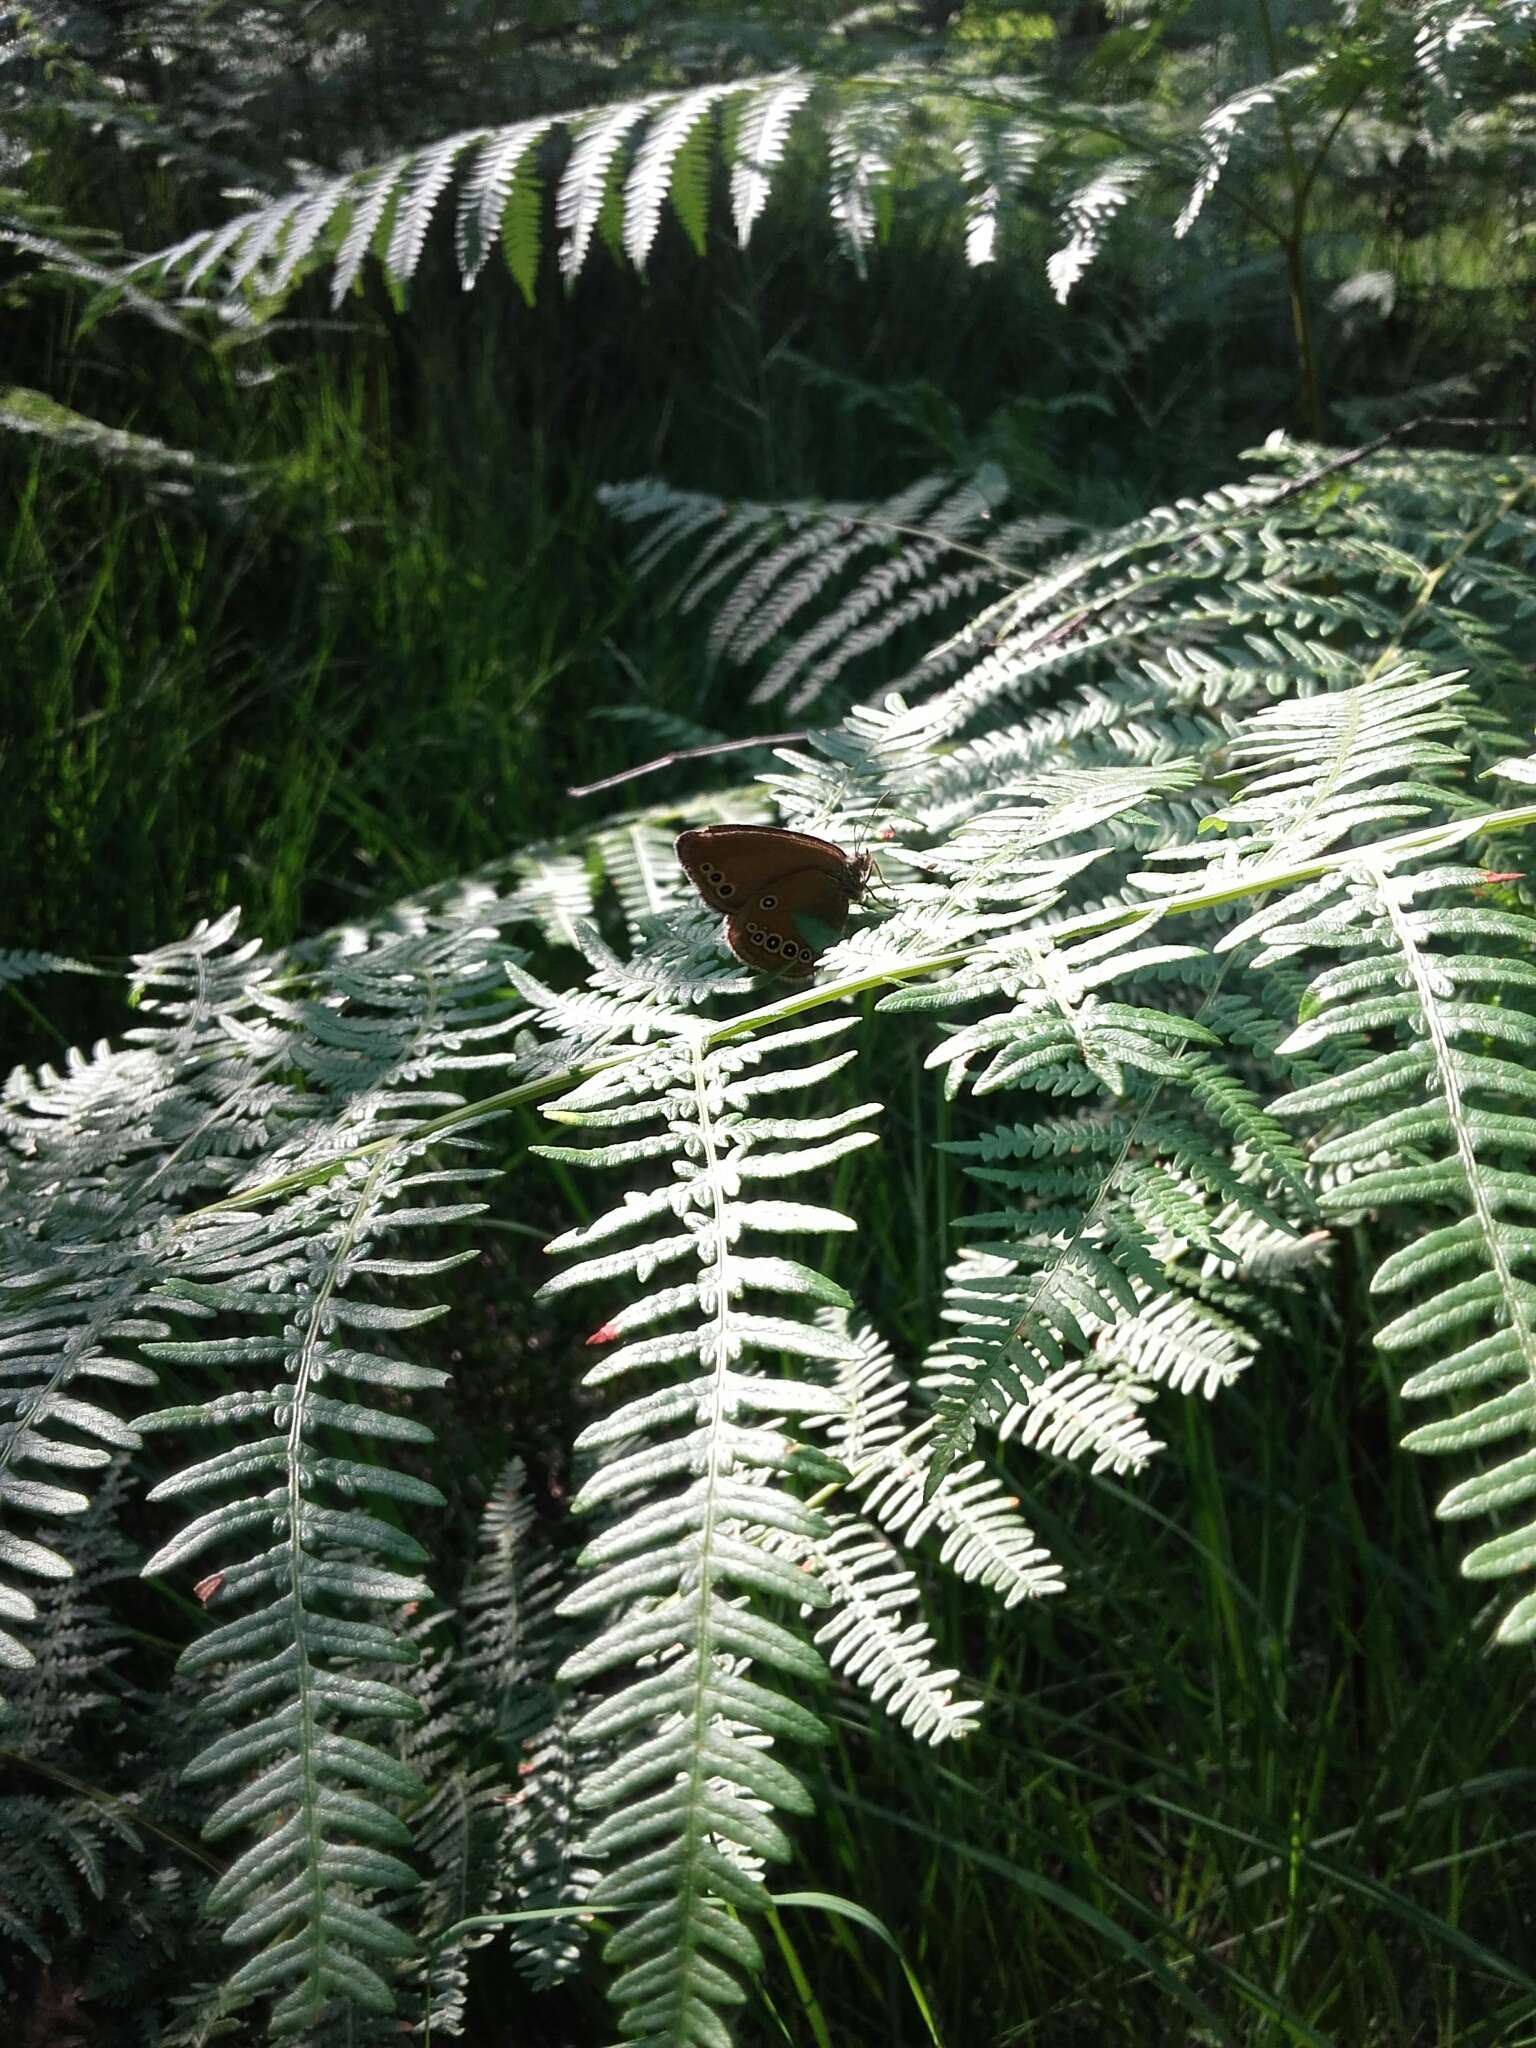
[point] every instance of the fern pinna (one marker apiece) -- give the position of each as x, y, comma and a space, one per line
1427, 1026
319, 1413
691, 1479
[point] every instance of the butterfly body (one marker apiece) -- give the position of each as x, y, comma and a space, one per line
785, 895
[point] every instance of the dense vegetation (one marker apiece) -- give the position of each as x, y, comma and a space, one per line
1097, 442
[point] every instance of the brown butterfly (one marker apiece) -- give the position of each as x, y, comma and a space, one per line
785, 895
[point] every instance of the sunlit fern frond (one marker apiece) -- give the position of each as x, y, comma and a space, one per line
686, 1474
1427, 1022
295, 1316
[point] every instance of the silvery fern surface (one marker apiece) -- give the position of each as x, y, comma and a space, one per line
1186, 900
681, 1587
885, 135
1150, 638
802, 591
242, 1057
1426, 1023
99, 1159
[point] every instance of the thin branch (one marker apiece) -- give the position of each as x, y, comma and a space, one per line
766, 739
1354, 455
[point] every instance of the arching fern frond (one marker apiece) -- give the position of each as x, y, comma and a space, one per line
889, 132
1159, 638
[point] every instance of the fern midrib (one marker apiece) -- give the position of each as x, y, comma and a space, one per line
309, 1726
1319, 793
1466, 1151
705, 1647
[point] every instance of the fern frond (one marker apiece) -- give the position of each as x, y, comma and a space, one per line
294, 1287
21, 965
761, 133
51, 1870
78, 1638
294, 1667
1088, 215
513, 1646
98, 1158
983, 1537
891, 131
1179, 1342
687, 1474
584, 188
367, 211
1441, 1124
671, 159
429, 177
1320, 769
458, 1831
306, 226
1221, 130
990, 167
865, 1639
639, 860
486, 198
1075, 1242
860, 146
555, 890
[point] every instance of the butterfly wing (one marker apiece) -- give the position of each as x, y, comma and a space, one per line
787, 927
729, 865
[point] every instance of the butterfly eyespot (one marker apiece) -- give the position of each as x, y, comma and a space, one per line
768, 902
726, 888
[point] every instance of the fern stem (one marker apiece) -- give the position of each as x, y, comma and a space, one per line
1293, 240
1433, 578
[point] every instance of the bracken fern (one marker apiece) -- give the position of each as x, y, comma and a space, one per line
1180, 873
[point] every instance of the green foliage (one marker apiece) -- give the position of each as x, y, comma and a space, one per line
1185, 1008
989, 139
1109, 922
1439, 1119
